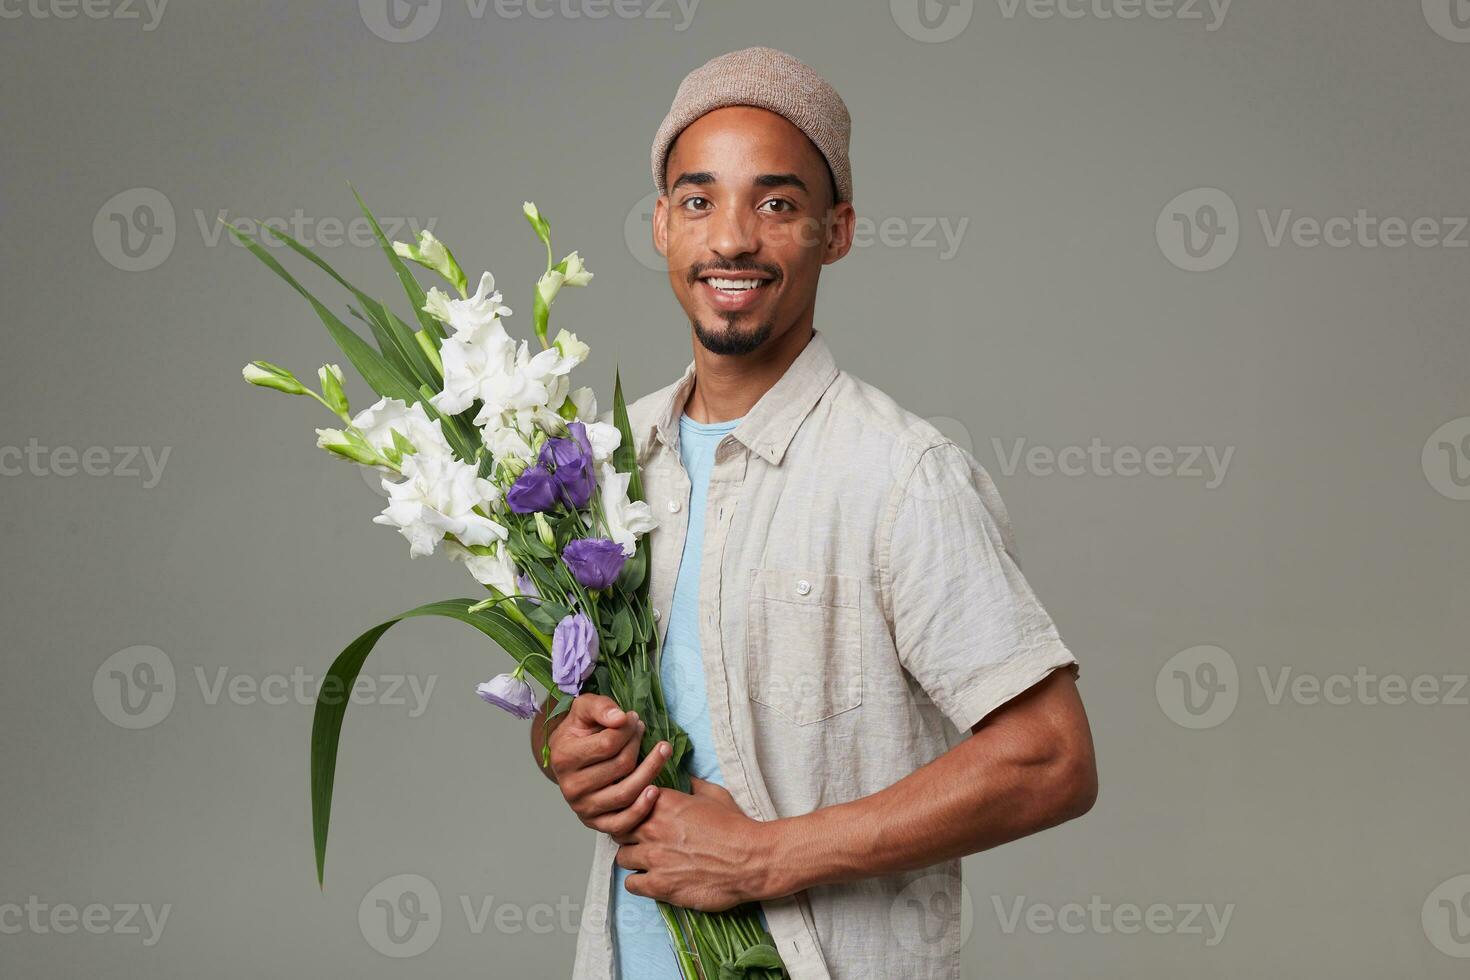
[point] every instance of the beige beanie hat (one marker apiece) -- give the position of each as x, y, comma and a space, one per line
769, 79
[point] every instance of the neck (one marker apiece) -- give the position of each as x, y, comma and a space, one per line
727, 386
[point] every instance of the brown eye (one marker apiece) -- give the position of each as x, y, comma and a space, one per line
691, 200
787, 204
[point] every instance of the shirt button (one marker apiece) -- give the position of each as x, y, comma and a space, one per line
803, 587
673, 506
655, 612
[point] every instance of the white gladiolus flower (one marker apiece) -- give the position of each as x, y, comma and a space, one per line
438, 496
507, 441
573, 351
473, 318
497, 570
605, 439
626, 519
410, 421
584, 400
576, 274
549, 285
470, 366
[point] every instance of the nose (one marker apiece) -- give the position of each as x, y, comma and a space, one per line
732, 233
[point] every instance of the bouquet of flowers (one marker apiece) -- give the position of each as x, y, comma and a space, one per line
492, 459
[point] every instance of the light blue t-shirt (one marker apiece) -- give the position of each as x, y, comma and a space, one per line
641, 938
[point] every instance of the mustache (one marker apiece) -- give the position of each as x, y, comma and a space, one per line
700, 269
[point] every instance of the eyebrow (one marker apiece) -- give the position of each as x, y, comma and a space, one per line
702, 178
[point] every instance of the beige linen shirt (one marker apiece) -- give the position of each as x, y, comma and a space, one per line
860, 607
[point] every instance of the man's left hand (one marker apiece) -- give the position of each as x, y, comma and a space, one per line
696, 850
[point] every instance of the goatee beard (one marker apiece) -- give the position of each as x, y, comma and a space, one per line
730, 340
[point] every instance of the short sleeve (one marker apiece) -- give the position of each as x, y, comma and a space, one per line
966, 624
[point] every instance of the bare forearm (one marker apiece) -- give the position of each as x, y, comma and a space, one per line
1006, 781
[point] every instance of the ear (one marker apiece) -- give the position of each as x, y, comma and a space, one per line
661, 224
841, 222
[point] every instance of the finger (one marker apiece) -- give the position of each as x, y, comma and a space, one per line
594, 711
598, 776
581, 750
642, 884
632, 858
621, 795
621, 824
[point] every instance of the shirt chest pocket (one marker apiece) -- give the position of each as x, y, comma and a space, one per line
803, 645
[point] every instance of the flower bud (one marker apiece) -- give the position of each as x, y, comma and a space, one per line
549, 285
344, 444
268, 375
576, 273
544, 532
332, 393
435, 256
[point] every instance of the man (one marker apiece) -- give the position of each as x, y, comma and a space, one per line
836, 588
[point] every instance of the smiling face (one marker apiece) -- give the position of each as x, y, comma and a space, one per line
747, 225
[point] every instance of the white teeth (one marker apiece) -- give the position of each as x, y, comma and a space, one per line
733, 284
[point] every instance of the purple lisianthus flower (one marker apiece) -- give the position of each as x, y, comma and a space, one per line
511, 693
595, 562
576, 481
560, 450
571, 461
534, 490
527, 587
573, 652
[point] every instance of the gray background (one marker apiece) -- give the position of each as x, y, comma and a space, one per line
1332, 831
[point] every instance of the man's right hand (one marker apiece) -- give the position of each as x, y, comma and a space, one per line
594, 757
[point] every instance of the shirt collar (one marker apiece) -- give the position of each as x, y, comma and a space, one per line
770, 425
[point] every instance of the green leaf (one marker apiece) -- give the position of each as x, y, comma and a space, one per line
326, 728
754, 958
622, 630
395, 338
381, 376
411, 287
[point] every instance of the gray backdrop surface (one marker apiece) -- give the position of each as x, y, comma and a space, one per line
1189, 281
